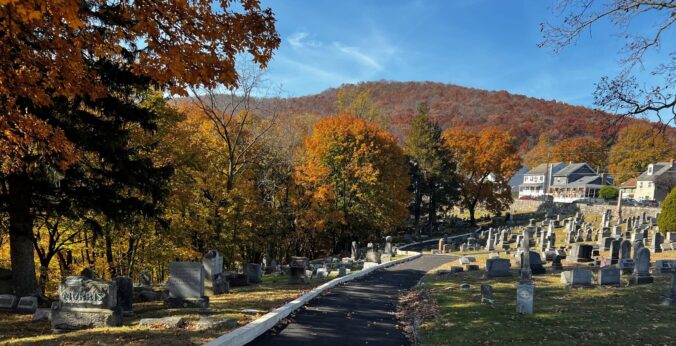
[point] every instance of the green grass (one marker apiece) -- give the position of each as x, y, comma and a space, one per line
592, 316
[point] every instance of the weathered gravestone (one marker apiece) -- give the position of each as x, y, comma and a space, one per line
627, 265
605, 243
125, 293
388, 246
577, 277
86, 303
27, 305
615, 251
297, 273
254, 273
8, 302
556, 262
214, 279
670, 297
353, 250
642, 271
609, 276
186, 285
496, 267
536, 265
580, 253
487, 294
524, 298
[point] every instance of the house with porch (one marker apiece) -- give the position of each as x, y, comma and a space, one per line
537, 180
577, 181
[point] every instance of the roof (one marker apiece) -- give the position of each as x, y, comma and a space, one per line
659, 169
631, 183
593, 181
571, 168
517, 178
541, 169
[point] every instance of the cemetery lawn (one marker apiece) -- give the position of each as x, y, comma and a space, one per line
272, 293
592, 316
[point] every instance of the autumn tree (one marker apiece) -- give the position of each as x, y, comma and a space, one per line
433, 169
486, 162
624, 94
581, 149
357, 101
541, 152
70, 78
355, 182
636, 147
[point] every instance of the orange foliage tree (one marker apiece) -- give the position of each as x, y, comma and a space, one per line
636, 147
77, 64
581, 149
486, 161
354, 181
540, 153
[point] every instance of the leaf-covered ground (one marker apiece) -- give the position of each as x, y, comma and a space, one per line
562, 316
273, 292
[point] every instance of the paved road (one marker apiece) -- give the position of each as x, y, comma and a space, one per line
358, 313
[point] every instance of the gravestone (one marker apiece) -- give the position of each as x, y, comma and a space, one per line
342, 271
577, 278
605, 242
609, 276
524, 298
536, 265
146, 279
27, 305
388, 246
556, 262
656, 245
627, 265
580, 253
670, 297
353, 250
385, 258
297, 273
125, 293
642, 271
215, 282
625, 249
186, 285
637, 245
254, 273
615, 246
487, 294
8, 302
373, 256
497, 267
86, 303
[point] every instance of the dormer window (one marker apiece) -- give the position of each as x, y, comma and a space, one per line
650, 169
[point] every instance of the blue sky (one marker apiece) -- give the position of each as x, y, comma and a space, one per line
486, 44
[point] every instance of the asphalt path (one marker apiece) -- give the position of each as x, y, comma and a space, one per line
361, 312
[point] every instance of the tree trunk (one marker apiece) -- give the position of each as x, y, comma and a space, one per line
21, 236
417, 202
471, 208
432, 219
109, 256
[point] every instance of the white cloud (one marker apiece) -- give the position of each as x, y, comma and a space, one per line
359, 56
298, 40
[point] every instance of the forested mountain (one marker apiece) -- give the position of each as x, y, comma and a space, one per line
452, 105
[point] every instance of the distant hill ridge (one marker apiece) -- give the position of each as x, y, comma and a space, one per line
452, 105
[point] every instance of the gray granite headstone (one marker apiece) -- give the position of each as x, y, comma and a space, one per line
186, 285
524, 298
27, 305
8, 302
577, 277
496, 267
125, 293
642, 271
86, 303
609, 276
253, 272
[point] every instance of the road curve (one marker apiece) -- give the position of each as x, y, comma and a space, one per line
360, 312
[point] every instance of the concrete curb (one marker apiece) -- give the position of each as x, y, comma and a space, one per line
254, 329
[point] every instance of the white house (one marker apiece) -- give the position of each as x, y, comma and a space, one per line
537, 180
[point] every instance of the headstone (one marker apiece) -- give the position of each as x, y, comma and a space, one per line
670, 297
577, 277
86, 303
440, 246
605, 243
125, 293
215, 282
385, 258
524, 298
186, 285
627, 265
625, 249
254, 273
609, 276
8, 302
656, 245
388, 246
297, 274
353, 250
487, 294
580, 253
496, 267
373, 256
27, 305
536, 265
642, 271
146, 279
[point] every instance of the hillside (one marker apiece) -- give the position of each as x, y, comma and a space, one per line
453, 105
